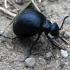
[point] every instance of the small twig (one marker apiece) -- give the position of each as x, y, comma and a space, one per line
7, 12
8, 46
11, 3
5, 4
14, 11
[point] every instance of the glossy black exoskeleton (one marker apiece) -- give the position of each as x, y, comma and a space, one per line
32, 22
29, 23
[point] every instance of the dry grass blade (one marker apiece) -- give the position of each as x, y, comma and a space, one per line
34, 3
7, 12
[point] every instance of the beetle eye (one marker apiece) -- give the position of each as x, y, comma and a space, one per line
54, 31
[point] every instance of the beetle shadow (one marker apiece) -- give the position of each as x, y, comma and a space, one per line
23, 44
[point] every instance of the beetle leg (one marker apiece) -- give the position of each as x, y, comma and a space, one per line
5, 36
9, 37
34, 43
53, 43
32, 47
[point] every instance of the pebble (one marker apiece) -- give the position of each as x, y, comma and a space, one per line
64, 53
48, 55
30, 62
66, 34
62, 32
68, 46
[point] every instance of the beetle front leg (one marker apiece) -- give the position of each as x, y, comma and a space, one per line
54, 43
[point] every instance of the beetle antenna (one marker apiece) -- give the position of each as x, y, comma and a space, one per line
63, 22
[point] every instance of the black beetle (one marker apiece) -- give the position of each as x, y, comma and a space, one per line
32, 22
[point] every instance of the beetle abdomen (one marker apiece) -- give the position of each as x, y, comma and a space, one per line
28, 23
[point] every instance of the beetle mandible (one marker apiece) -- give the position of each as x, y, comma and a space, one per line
32, 22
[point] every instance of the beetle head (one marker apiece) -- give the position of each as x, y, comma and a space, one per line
54, 30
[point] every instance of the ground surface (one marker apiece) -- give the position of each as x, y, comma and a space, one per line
12, 52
